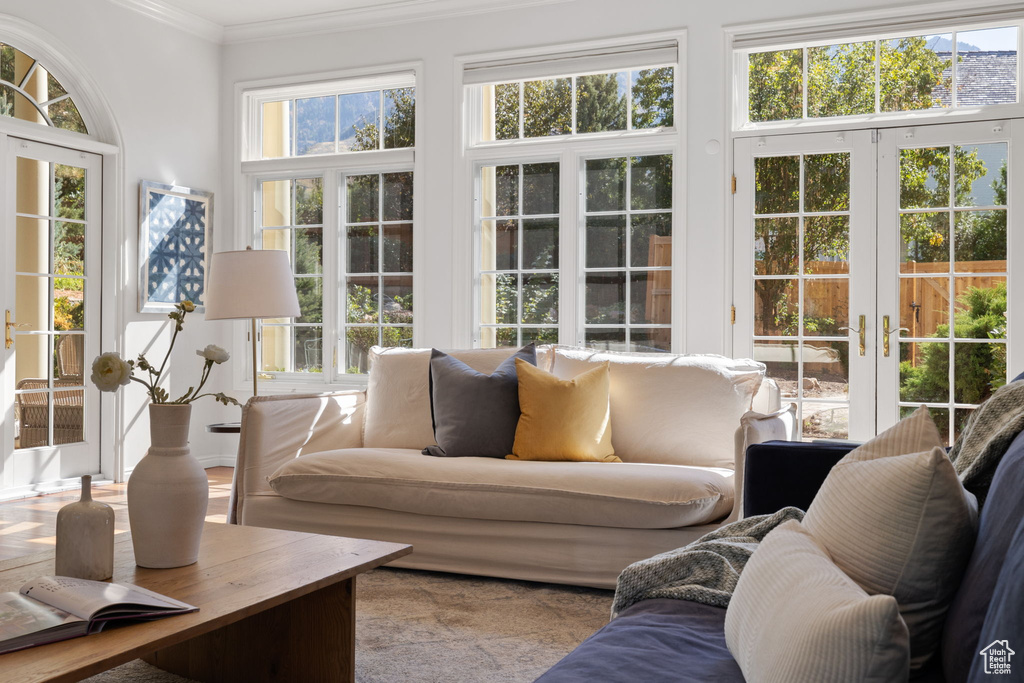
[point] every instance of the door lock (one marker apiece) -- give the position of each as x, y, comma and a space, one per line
886, 332
862, 332
8, 324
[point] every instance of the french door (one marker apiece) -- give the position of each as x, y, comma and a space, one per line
50, 296
872, 271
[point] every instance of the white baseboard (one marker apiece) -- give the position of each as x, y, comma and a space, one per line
216, 460
61, 485
57, 486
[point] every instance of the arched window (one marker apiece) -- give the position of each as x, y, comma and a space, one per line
30, 93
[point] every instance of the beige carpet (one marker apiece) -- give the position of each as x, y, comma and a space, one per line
426, 627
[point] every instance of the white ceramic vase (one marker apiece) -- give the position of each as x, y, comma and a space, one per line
167, 493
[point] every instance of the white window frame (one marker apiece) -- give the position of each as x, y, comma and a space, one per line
251, 170
880, 25
570, 151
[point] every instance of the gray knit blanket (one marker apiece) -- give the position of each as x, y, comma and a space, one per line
707, 570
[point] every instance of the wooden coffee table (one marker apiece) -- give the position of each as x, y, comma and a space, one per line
273, 606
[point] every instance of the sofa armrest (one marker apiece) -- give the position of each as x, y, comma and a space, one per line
754, 428
276, 429
779, 474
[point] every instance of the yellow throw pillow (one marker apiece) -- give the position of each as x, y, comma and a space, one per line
563, 419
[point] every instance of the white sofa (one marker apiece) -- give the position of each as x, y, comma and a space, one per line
349, 463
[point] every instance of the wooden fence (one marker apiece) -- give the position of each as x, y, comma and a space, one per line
923, 301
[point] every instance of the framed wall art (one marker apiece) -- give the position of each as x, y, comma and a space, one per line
175, 238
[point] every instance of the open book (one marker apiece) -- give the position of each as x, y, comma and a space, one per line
53, 608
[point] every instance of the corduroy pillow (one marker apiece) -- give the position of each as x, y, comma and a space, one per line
795, 616
563, 419
474, 414
893, 515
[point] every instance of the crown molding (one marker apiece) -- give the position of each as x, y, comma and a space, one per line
178, 18
358, 18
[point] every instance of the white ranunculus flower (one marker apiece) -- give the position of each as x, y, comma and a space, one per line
110, 372
214, 353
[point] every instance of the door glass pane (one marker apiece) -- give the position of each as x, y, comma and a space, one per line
33, 239
924, 177
924, 372
980, 244
924, 306
69, 248
68, 304
826, 306
981, 174
777, 185
68, 416
827, 182
776, 307
925, 238
32, 417
69, 189
826, 245
794, 315
941, 307
776, 246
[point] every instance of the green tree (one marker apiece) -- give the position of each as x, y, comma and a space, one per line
841, 80
980, 369
399, 123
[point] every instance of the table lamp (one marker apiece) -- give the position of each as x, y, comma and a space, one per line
254, 283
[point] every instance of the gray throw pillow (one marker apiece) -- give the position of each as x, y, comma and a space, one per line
474, 413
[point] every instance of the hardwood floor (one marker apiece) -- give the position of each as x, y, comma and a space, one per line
28, 525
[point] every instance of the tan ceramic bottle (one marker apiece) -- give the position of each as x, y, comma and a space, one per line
85, 538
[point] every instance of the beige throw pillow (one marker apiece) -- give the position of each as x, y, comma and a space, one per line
893, 515
671, 409
398, 393
795, 616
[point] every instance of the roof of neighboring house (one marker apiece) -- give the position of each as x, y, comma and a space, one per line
984, 77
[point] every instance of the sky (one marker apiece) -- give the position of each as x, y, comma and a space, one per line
989, 39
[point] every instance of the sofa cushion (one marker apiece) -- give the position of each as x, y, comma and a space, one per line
795, 616
1000, 517
654, 640
1004, 629
638, 495
475, 413
682, 410
563, 419
899, 523
398, 392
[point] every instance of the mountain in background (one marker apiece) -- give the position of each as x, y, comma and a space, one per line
941, 44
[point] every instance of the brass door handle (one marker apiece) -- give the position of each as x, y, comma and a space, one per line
886, 332
8, 324
862, 333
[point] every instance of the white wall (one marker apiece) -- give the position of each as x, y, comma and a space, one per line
163, 87
438, 42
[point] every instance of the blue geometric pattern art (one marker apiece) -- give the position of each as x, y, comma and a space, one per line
176, 246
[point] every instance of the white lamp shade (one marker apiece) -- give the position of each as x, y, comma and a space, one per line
255, 283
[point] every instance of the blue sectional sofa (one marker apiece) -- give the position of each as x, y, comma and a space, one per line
675, 640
